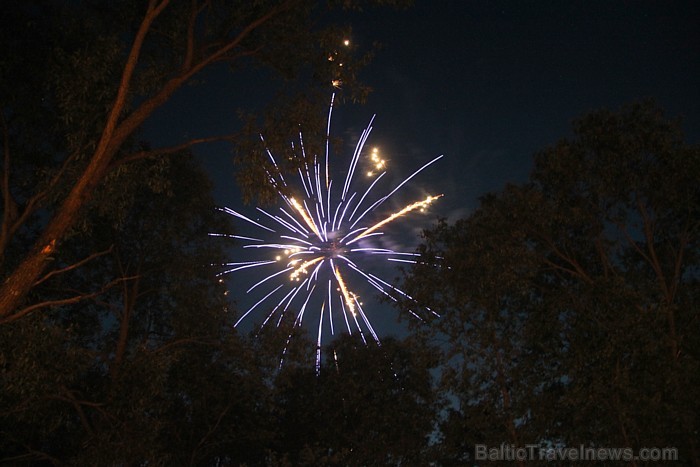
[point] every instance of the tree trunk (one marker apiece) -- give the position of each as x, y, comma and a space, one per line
18, 284
131, 292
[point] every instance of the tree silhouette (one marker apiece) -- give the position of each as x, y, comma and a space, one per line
568, 302
72, 112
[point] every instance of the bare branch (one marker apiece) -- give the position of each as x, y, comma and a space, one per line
62, 301
6, 164
74, 265
678, 264
169, 150
189, 50
79, 409
128, 72
11, 222
623, 229
134, 120
130, 294
241, 54
9, 204
184, 340
209, 432
18, 284
577, 268
652, 258
31, 455
226, 48
114, 133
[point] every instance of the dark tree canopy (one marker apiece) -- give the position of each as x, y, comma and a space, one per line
116, 377
370, 405
570, 303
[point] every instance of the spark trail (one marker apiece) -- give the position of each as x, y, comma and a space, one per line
316, 246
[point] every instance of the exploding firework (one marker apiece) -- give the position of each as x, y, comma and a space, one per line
319, 240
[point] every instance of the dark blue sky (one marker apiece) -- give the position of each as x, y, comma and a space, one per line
487, 83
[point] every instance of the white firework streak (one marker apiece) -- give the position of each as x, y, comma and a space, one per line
317, 240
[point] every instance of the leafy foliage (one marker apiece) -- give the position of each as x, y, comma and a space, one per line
370, 405
71, 113
568, 302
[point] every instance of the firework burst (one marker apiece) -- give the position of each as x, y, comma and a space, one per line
317, 243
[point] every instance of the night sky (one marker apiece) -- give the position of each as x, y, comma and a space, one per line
490, 83
487, 83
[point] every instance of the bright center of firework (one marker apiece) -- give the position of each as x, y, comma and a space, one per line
320, 239
331, 249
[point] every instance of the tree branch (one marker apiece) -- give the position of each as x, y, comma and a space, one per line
151, 14
189, 49
12, 223
184, 340
577, 271
140, 155
62, 301
30, 456
10, 206
133, 121
209, 432
18, 284
6, 163
74, 265
653, 258
78, 408
129, 294
678, 266
178, 342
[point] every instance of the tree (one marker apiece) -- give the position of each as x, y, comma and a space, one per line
483, 298
370, 405
568, 301
149, 370
72, 112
